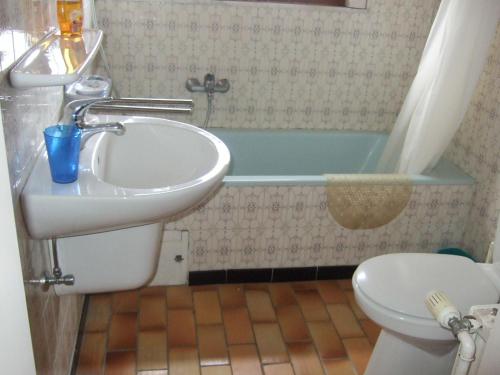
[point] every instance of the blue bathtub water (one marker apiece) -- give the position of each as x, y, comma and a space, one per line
286, 157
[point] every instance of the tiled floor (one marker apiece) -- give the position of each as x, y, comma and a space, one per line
273, 329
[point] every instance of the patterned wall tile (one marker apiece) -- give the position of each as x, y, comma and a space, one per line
290, 66
295, 228
475, 149
302, 67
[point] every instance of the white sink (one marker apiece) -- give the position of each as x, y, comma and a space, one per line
157, 169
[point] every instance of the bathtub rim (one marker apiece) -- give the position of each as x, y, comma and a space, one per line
445, 172
453, 178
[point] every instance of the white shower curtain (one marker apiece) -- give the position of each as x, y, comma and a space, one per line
452, 61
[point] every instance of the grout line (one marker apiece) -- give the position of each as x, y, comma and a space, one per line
313, 343
281, 329
137, 323
193, 311
81, 333
224, 328
165, 296
259, 355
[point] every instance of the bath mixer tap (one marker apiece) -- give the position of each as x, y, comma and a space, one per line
210, 86
209, 83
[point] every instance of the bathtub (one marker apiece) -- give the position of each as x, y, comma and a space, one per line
288, 157
272, 211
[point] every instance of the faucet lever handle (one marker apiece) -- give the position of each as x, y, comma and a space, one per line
222, 86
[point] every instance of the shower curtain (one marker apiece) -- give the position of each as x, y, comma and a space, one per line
451, 63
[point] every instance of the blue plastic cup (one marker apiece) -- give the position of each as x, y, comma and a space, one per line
63, 148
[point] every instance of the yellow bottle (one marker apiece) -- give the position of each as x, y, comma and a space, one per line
70, 16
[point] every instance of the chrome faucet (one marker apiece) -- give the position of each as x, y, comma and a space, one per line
210, 86
79, 109
90, 129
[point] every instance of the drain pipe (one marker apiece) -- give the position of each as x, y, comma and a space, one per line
466, 353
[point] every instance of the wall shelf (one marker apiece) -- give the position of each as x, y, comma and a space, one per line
56, 60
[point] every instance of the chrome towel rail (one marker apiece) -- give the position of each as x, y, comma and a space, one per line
150, 105
140, 108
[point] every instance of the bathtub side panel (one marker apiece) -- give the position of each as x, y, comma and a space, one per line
290, 226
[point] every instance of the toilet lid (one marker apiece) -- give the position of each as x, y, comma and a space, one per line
400, 282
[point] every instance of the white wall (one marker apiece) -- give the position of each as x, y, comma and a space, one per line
16, 354
25, 113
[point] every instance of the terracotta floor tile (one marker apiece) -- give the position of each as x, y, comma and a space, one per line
282, 294
272, 349
244, 360
372, 330
179, 297
216, 370
212, 345
345, 284
123, 332
359, 351
152, 350
327, 341
354, 306
203, 288
183, 361
279, 369
330, 292
120, 363
232, 295
207, 307
257, 286
98, 313
181, 329
304, 285
260, 306
92, 354
125, 301
292, 324
275, 328
153, 372
237, 325
312, 305
344, 320
305, 360
339, 367
158, 290
152, 312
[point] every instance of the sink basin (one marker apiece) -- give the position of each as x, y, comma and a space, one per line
157, 169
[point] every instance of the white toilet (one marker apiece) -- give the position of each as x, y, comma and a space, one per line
391, 290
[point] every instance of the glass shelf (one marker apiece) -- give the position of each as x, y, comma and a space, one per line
56, 60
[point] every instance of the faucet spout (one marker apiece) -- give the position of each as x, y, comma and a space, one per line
89, 130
